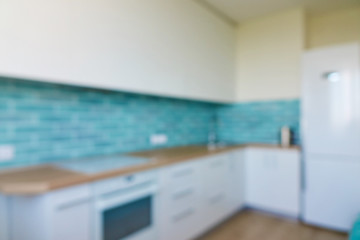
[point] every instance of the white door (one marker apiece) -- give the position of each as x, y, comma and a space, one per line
331, 101
332, 196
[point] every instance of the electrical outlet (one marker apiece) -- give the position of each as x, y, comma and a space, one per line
7, 153
158, 139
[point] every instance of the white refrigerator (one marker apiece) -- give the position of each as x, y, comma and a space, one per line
331, 136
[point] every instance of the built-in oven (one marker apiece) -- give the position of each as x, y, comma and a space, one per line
125, 208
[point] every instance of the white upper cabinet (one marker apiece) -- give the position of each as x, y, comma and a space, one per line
162, 47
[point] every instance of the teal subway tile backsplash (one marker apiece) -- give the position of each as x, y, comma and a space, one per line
49, 122
258, 122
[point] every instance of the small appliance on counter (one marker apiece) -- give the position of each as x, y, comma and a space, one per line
285, 140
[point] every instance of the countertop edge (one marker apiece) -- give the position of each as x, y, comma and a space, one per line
23, 188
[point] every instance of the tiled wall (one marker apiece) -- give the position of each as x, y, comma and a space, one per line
258, 122
47, 122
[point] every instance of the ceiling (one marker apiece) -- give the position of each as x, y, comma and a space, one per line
240, 10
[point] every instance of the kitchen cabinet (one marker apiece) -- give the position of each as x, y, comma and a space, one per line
199, 194
69, 208
236, 181
180, 204
4, 228
54, 216
191, 197
167, 48
215, 189
273, 180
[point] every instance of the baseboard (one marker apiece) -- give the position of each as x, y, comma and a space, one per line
288, 216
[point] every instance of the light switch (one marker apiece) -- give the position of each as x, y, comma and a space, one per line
158, 139
7, 153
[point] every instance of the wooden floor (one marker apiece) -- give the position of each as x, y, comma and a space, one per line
252, 225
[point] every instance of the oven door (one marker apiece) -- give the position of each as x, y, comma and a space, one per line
128, 215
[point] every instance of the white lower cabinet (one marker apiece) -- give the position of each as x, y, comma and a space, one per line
199, 194
66, 222
4, 226
273, 180
215, 196
192, 197
59, 215
180, 201
236, 181
68, 209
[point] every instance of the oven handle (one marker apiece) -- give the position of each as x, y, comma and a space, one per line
121, 198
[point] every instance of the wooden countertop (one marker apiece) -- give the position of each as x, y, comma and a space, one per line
44, 178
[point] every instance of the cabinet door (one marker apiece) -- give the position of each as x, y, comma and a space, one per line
72, 222
215, 195
236, 180
139, 46
3, 218
273, 180
70, 212
179, 207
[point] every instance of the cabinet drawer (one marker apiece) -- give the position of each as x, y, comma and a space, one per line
180, 194
70, 196
216, 168
182, 224
217, 162
216, 209
217, 198
117, 183
215, 174
215, 181
183, 214
181, 175
181, 199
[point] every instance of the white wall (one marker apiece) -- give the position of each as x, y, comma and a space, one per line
269, 56
164, 47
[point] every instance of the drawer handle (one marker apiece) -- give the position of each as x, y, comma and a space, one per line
183, 173
183, 194
183, 215
73, 203
216, 199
